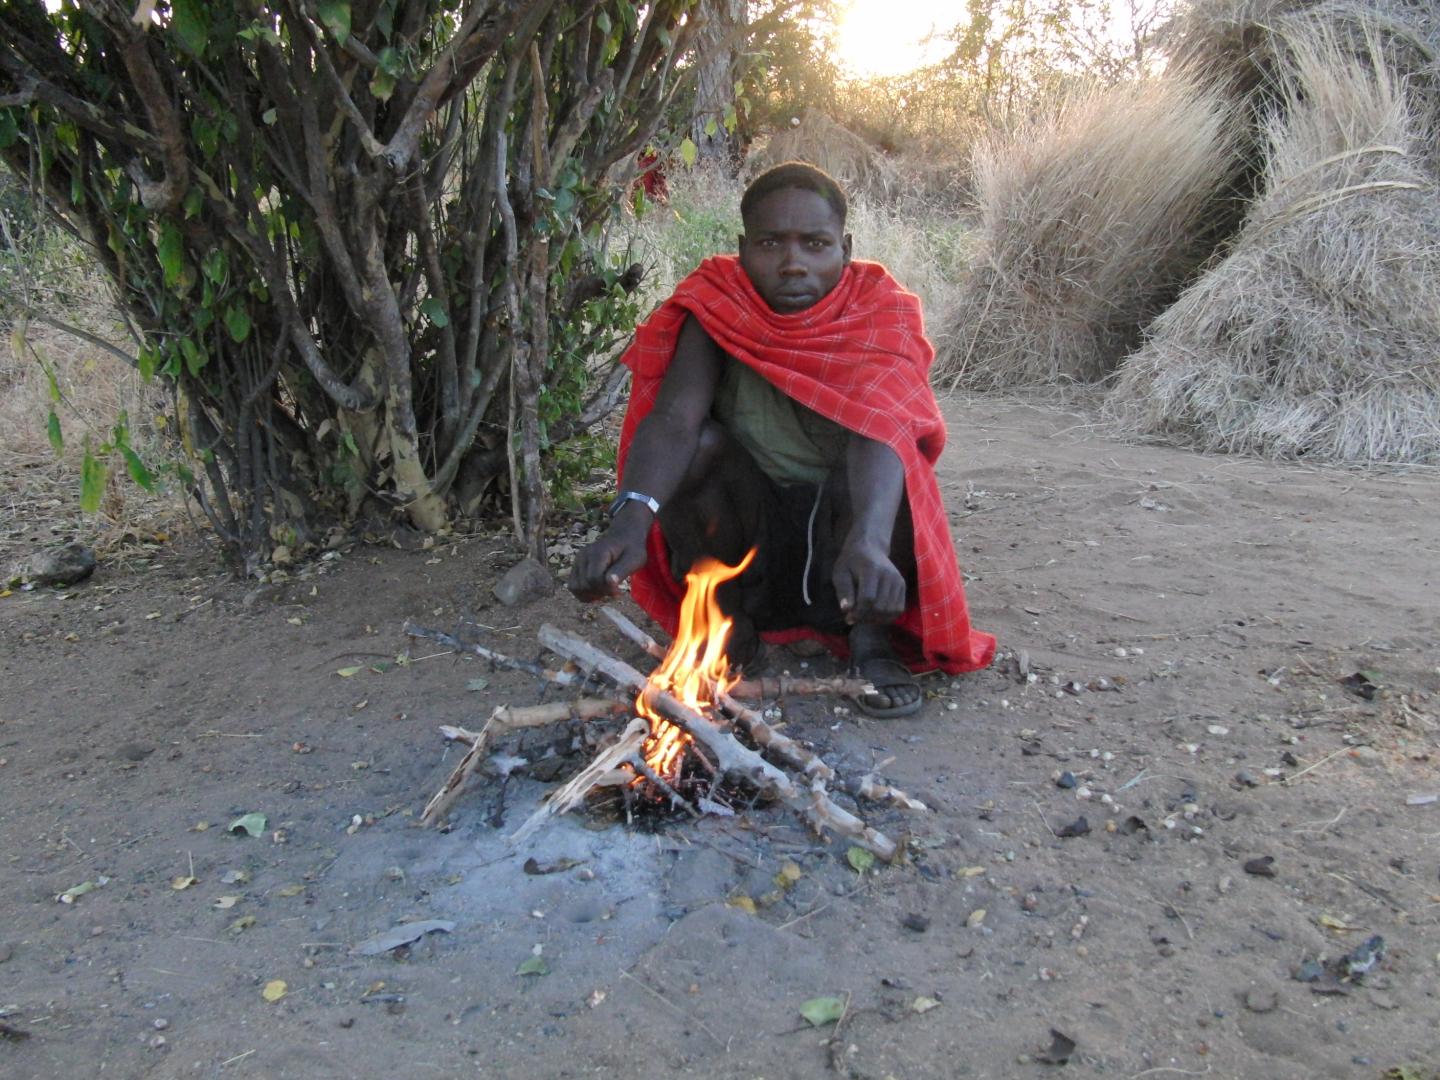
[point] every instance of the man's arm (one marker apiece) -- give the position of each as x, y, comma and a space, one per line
660, 453
869, 587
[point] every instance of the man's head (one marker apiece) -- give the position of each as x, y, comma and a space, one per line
794, 247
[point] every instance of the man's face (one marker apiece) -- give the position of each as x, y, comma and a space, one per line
793, 250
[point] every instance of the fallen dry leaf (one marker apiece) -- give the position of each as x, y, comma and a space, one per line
274, 990
182, 882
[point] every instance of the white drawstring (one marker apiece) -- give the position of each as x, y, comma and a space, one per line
810, 547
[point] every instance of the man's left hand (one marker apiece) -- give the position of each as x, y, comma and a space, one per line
869, 587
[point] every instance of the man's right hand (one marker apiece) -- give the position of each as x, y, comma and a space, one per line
601, 567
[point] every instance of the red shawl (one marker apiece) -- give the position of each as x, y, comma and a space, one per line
860, 358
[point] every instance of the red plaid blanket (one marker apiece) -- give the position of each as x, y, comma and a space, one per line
860, 358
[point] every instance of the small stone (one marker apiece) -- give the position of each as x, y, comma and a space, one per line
1031, 902
160, 1023
525, 581
1261, 866
1225, 884
6, 952
1121, 652
1261, 999
157, 1043
134, 751
916, 922
1367, 756
60, 566
1246, 778
1066, 780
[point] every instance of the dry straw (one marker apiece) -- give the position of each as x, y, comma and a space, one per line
1091, 222
1319, 333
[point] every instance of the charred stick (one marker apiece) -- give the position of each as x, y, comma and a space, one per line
598, 771
634, 633
782, 746
530, 667
731, 756
677, 801
504, 719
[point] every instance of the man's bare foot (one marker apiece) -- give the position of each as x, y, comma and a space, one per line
872, 657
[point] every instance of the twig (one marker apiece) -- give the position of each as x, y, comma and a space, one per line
560, 678
671, 1005
1042, 818
237, 1057
1308, 768
1170, 1069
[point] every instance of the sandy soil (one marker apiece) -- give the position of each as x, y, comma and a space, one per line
1222, 601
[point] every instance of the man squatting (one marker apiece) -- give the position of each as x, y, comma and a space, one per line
781, 401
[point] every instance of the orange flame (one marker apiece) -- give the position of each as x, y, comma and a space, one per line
695, 670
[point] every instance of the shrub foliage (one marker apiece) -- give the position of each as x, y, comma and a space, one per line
363, 240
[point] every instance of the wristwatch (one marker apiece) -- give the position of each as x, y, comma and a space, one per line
626, 496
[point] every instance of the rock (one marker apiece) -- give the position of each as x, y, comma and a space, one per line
59, 566
525, 581
1261, 999
1066, 780
1246, 778
133, 751
6, 952
916, 922
1261, 866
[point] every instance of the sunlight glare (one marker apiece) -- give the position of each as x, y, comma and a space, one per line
881, 38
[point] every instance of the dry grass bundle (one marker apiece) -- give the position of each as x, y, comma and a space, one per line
1319, 334
862, 169
1091, 222
1245, 45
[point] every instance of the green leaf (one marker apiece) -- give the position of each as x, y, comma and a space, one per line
251, 824
859, 859
711, 127
823, 1010
170, 250
52, 387
477, 684
433, 310
534, 966
216, 265
92, 481
731, 120
382, 85
347, 672
52, 432
137, 470
335, 14
603, 22
268, 117
237, 322
194, 201
194, 357
9, 130
689, 152
187, 19
149, 361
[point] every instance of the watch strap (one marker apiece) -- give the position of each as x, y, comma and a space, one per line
633, 496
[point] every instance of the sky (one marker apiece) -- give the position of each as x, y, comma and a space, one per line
883, 37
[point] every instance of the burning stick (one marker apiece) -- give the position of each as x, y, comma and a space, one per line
502, 720
768, 686
731, 758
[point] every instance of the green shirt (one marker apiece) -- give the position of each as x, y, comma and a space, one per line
790, 443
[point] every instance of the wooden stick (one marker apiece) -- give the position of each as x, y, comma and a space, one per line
573, 793
633, 632
560, 678
768, 686
731, 758
503, 719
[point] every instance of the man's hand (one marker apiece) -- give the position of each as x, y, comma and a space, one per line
869, 587
601, 567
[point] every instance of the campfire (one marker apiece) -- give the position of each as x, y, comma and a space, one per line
680, 746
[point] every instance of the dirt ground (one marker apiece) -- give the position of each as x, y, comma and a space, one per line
1186, 622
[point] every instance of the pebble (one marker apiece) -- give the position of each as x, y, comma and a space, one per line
157, 1042
1261, 866
6, 952
916, 922
1246, 778
1121, 652
1065, 780
1261, 999
160, 1023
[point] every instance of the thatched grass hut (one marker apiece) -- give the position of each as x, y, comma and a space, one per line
1091, 221
1318, 333
1311, 321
